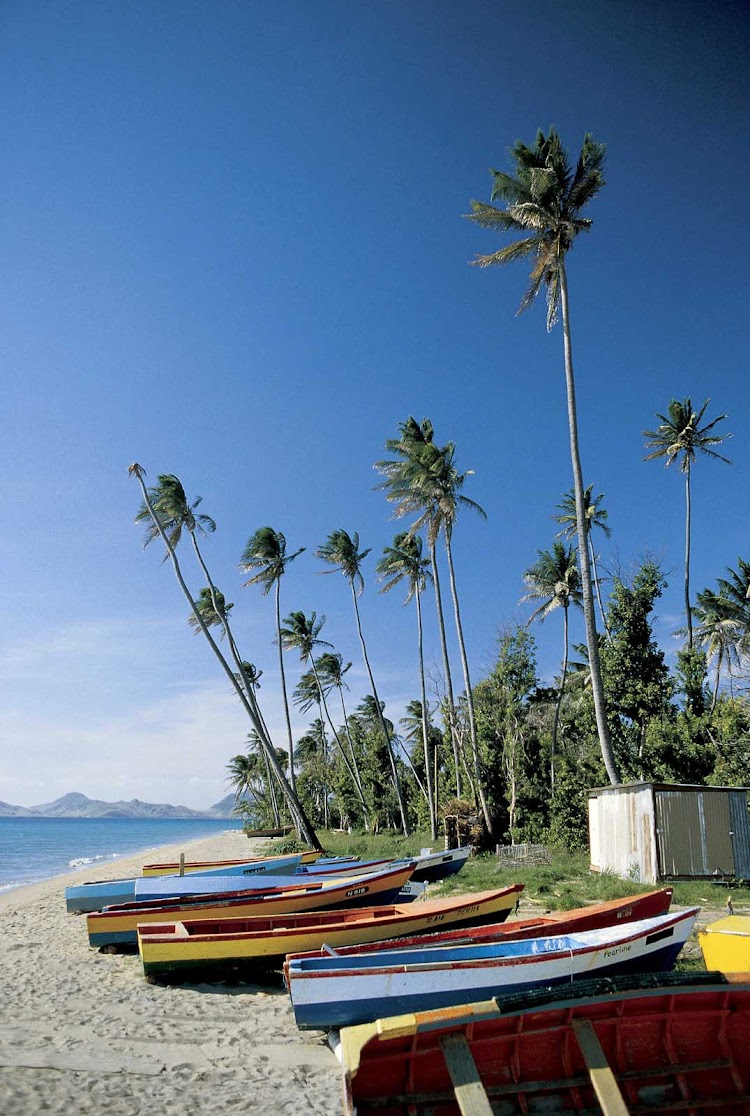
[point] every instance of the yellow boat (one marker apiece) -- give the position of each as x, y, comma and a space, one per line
725, 944
197, 943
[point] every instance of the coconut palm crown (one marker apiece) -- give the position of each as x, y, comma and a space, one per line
544, 200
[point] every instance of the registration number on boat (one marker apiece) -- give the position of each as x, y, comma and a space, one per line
356, 891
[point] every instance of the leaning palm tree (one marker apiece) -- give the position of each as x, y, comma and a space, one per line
553, 582
424, 480
165, 530
544, 200
680, 437
265, 553
341, 551
596, 516
403, 563
331, 670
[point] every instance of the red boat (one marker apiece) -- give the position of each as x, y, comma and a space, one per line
680, 1045
648, 904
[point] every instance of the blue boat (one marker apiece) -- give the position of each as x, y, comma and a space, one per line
331, 992
105, 893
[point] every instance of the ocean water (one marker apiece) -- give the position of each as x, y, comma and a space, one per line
34, 849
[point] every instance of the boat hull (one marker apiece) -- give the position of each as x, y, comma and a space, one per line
172, 868
329, 992
725, 944
666, 1046
203, 944
615, 912
117, 925
81, 898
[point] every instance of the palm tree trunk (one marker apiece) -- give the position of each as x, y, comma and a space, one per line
467, 684
446, 668
425, 732
592, 641
349, 768
294, 803
558, 704
353, 754
383, 728
688, 611
596, 585
284, 694
715, 696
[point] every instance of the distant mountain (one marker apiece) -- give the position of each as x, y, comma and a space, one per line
79, 806
225, 808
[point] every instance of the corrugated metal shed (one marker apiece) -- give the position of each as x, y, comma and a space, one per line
653, 831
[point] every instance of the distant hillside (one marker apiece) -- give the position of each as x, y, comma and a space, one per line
79, 806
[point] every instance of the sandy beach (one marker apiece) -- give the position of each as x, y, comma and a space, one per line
83, 1032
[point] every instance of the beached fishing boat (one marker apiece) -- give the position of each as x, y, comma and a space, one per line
432, 866
281, 831
174, 867
615, 912
116, 925
682, 1045
94, 896
725, 944
329, 992
173, 947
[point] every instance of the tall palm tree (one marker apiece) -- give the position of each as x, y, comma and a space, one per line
544, 200
244, 690
403, 563
680, 437
424, 480
596, 516
341, 551
554, 582
719, 633
213, 608
265, 553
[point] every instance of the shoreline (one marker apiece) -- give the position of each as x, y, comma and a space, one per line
83, 1031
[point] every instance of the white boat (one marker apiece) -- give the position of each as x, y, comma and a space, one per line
333, 991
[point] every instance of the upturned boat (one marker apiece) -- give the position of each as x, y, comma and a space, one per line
432, 866
94, 896
116, 925
191, 944
614, 912
330, 992
725, 944
680, 1045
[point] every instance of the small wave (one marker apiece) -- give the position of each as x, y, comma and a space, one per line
82, 861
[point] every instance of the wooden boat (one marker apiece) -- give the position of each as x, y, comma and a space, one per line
116, 925
207, 943
174, 868
614, 912
335, 991
682, 1045
725, 944
282, 831
98, 894
432, 866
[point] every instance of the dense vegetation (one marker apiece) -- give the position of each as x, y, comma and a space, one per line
512, 754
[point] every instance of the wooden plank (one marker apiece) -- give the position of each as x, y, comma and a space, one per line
470, 1095
600, 1072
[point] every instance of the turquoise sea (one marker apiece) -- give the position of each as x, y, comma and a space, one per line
33, 849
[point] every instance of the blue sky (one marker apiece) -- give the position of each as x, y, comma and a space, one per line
232, 248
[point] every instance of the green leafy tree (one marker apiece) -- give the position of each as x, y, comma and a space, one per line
341, 551
554, 583
544, 200
680, 437
266, 554
635, 672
